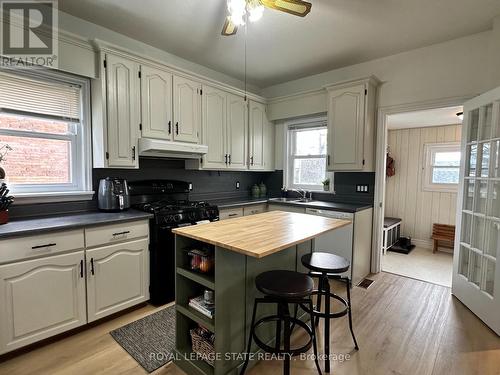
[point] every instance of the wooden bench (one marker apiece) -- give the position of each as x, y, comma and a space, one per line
443, 233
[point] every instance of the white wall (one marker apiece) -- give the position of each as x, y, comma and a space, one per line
405, 197
461, 67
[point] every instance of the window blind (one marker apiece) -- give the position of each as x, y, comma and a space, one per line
31, 96
308, 125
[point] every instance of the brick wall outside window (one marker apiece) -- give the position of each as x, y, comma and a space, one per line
36, 160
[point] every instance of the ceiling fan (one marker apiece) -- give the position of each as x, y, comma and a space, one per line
254, 9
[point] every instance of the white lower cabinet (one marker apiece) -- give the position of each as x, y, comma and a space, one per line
117, 277
41, 298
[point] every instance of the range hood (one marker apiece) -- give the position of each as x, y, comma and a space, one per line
168, 149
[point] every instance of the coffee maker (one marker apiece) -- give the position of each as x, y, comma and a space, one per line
113, 194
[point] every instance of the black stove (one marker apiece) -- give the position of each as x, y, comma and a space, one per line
168, 201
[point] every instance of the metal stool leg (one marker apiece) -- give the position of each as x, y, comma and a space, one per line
286, 339
348, 284
326, 289
277, 344
249, 346
315, 344
318, 300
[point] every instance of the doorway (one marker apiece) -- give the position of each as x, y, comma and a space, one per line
421, 184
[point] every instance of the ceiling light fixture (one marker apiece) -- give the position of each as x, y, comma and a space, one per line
460, 115
238, 9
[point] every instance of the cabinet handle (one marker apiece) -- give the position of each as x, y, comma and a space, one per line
92, 266
231, 215
81, 268
328, 159
229, 159
133, 152
170, 127
42, 246
225, 159
177, 128
251, 160
120, 233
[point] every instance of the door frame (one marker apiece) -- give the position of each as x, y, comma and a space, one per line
380, 167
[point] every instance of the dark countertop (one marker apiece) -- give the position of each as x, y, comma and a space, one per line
238, 202
74, 221
322, 205
241, 202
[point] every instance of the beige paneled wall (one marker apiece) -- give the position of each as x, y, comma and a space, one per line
404, 197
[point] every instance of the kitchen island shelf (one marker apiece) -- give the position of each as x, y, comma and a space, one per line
197, 317
205, 280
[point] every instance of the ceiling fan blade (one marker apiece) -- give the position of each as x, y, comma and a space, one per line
229, 28
296, 7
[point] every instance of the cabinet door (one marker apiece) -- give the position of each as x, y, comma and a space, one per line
122, 90
237, 131
117, 278
257, 123
156, 103
187, 110
346, 121
41, 298
213, 128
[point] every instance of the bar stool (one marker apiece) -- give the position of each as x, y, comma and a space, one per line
283, 288
327, 266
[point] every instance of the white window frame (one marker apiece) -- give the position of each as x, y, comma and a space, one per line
430, 149
290, 126
81, 151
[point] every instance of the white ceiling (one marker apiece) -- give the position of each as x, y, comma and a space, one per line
282, 47
422, 119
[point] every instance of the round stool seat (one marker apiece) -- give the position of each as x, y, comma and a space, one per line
325, 262
284, 284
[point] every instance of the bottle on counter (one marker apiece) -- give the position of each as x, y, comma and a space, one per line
255, 191
263, 190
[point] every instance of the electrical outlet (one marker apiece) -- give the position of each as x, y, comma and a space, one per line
190, 186
362, 189
237, 185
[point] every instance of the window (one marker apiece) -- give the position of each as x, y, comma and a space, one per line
43, 118
442, 167
306, 155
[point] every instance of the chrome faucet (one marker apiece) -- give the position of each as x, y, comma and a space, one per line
301, 192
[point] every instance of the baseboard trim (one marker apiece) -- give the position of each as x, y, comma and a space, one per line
429, 244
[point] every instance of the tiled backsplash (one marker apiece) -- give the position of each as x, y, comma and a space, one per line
206, 185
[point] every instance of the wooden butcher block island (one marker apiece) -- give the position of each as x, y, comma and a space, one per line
241, 249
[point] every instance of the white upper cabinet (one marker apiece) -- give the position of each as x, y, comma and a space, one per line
156, 103
258, 121
187, 110
351, 117
214, 128
123, 115
237, 131
269, 146
41, 298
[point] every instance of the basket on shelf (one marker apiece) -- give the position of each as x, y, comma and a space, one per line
203, 345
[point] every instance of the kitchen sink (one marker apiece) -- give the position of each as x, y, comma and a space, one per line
292, 200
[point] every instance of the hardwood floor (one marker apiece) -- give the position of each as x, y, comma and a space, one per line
403, 326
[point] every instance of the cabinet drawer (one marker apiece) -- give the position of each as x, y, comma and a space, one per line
21, 248
230, 213
109, 234
256, 209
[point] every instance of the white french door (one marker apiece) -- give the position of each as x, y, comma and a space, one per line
476, 269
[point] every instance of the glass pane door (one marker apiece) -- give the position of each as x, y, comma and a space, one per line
480, 223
